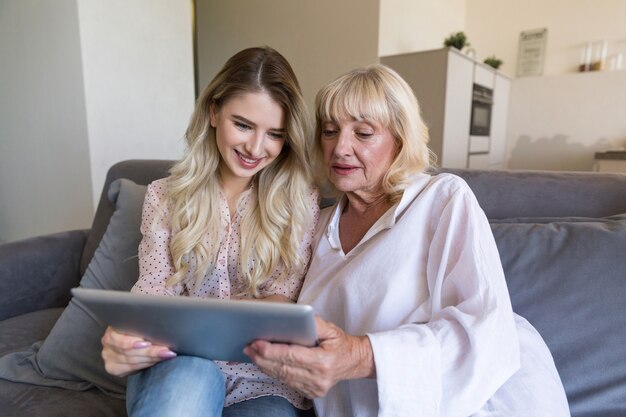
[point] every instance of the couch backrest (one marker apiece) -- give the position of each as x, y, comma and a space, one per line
510, 194
502, 194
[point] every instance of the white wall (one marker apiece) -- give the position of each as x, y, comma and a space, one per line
559, 122
138, 70
493, 26
85, 84
45, 180
321, 39
418, 25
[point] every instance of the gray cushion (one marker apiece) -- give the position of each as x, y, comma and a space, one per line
137, 170
22, 400
35, 273
568, 278
19, 332
70, 356
505, 194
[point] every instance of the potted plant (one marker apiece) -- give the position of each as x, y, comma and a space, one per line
492, 61
457, 40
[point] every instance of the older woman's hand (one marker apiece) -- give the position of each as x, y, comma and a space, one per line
124, 354
314, 371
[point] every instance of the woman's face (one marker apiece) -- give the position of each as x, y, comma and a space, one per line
357, 155
250, 134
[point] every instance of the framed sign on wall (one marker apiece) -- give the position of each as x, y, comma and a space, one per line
532, 52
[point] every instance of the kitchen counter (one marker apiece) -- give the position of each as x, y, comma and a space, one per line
611, 161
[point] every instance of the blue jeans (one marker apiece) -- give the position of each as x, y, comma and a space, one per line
188, 386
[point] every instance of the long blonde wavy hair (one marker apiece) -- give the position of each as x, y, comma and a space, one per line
271, 230
377, 93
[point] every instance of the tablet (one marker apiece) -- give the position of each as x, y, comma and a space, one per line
207, 327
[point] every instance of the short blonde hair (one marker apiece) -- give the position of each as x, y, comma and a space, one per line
379, 94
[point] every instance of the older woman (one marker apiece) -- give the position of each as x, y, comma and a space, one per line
407, 269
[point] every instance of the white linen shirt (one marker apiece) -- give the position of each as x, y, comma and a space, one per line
426, 285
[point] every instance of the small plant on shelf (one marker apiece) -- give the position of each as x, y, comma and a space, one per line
492, 61
457, 40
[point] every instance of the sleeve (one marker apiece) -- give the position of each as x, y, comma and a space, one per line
451, 365
155, 261
290, 287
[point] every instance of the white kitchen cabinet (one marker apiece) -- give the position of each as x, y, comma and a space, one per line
499, 117
443, 81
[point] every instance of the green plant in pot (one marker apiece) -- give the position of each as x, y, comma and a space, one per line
457, 40
492, 61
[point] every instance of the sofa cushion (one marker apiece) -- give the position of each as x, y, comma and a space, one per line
568, 278
35, 273
19, 332
70, 356
22, 400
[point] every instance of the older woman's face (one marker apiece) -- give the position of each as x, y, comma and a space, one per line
357, 154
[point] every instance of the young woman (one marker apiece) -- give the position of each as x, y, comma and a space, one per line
235, 219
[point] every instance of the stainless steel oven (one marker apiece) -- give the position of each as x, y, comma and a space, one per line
482, 104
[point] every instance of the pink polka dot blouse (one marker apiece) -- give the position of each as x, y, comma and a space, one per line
243, 380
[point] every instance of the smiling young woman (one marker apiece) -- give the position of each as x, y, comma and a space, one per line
235, 219
249, 135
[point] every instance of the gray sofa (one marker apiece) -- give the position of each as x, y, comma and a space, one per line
562, 241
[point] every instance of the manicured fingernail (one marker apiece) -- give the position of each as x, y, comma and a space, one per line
167, 354
141, 344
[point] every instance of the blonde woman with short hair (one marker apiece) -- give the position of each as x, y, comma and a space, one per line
235, 219
415, 316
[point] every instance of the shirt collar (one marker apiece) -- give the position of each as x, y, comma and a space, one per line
386, 221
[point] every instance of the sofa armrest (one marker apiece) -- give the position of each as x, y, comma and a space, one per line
37, 273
